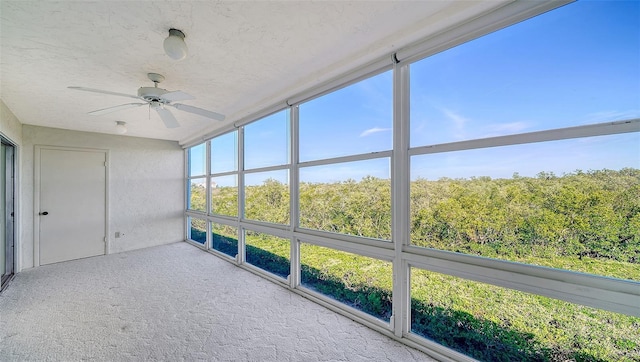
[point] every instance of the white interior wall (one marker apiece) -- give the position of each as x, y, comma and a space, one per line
146, 188
10, 126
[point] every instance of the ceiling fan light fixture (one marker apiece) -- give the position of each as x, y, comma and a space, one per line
121, 127
174, 45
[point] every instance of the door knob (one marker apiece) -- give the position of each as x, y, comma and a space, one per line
44, 213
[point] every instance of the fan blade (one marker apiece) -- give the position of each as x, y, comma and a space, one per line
104, 92
177, 96
199, 111
100, 112
167, 117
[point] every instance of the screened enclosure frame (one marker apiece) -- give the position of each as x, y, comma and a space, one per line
616, 295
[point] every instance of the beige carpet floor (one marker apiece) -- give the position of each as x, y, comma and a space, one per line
174, 303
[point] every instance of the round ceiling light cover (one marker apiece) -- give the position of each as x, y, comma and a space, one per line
174, 45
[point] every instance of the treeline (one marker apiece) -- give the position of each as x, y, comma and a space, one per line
593, 213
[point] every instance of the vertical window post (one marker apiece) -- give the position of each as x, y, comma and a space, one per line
294, 277
400, 197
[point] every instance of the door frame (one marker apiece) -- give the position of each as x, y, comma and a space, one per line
36, 195
16, 212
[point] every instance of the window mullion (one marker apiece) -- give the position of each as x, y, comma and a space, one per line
241, 254
294, 212
208, 208
400, 198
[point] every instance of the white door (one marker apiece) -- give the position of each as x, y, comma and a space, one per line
72, 215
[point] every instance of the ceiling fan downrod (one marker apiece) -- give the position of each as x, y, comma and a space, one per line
155, 78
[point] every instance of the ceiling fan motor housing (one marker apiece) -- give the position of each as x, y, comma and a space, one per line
152, 94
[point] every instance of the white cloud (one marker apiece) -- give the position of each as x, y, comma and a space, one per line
459, 123
458, 120
373, 130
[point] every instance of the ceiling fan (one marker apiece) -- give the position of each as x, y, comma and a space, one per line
157, 99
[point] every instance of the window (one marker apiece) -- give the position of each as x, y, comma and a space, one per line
196, 181
224, 238
224, 153
572, 66
197, 192
197, 230
266, 193
224, 171
268, 252
351, 195
353, 120
349, 198
197, 160
358, 281
267, 196
491, 323
224, 195
531, 207
267, 141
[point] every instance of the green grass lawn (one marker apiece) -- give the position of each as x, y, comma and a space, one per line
505, 324
607, 267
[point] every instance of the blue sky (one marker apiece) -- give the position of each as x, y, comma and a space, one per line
576, 65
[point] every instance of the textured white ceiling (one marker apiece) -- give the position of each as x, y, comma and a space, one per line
243, 56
